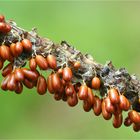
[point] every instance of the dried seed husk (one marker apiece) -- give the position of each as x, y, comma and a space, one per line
97, 107
117, 109
2, 27
124, 103
19, 75
31, 75
127, 121
117, 120
60, 71
41, 85
41, 62
27, 45
86, 106
52, 61
2, 18
13, 49
134, 116
11, 85
19, 88
1, 63
56, 82
29, 84
32, 64
69, 89
4, 82
83, 92
136, 127
77, 65
4, 52
7, 28
90, 97
64, 97
67, 74
77, 86
49, 84
114, 96
7, 69
95, 83
58, 96
105, 113
72, 100
18, 48
108, 105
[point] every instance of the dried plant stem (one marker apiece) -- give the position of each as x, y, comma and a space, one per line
73, 76
67, 55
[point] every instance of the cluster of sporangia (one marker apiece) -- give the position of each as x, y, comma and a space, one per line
59, 83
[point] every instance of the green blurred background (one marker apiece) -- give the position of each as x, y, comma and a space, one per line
108, 30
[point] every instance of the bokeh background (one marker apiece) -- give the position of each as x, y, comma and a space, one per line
108, 30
